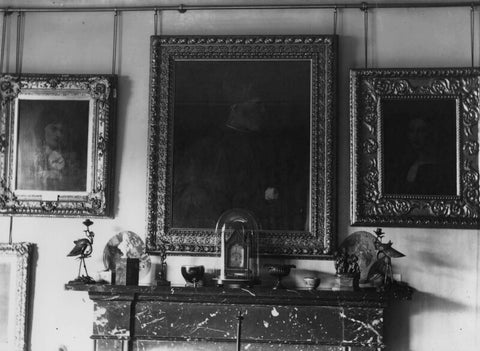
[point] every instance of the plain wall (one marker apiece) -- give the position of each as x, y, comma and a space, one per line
443, 265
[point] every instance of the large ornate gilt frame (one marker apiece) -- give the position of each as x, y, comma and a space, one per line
320, 52
100, 93
19, 257
370, 205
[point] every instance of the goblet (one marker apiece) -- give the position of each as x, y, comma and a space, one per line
193, 274
279, 271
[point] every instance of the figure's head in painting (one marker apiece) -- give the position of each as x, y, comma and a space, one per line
422, 138
51, 130
247, 116
417, 133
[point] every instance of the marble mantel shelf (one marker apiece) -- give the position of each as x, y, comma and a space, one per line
176, 318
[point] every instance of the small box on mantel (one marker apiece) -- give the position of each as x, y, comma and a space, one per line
126, 271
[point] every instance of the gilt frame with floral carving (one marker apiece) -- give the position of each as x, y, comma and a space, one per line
205, 91
56, 145
415, 147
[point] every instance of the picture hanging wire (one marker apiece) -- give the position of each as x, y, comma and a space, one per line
365, 30
472, 32
10, 236
156, 23
4, 34
115, 36
19, 49
335, 21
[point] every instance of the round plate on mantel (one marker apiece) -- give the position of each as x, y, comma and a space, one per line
126, 244
361, 244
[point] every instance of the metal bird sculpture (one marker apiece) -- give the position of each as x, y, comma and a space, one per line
382, 267
83, 249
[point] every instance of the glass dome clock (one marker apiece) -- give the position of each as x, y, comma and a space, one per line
237, 230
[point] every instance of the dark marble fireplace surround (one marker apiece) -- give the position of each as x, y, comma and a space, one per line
143, 318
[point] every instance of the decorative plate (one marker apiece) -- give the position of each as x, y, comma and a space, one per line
361, 244
126, 244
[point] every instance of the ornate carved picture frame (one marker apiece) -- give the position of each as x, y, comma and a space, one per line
242, 122
15, 276
57, 139
415, 143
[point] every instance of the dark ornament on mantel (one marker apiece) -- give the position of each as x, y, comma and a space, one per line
347, 269
279, 271
83, 249
161, 275
382, 267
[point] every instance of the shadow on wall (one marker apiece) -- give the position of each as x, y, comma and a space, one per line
398, 314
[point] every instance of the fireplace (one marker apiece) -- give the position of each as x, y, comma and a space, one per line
141, 318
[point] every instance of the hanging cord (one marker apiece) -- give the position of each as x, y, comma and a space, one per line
155, 23
335, 13
115, 36
365, 29
472, 32
6, 13
10, 235
19, 52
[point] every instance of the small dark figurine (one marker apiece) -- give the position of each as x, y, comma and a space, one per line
382, 267
161, 277
83, 249
347, 268
346, 264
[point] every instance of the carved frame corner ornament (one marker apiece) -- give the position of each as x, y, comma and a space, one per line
321, 53
20, 256
373, 203
95, 196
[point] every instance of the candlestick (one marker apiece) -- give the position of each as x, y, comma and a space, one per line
222, 254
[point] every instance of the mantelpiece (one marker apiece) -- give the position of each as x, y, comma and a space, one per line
182, 318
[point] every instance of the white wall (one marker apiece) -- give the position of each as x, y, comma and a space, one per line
442, 264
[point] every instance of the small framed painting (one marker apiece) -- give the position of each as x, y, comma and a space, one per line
415, 153
56, 144
15, 275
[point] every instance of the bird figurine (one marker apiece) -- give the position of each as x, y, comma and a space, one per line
83, 249
382, 267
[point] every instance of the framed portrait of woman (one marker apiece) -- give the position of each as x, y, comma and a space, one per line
58, 132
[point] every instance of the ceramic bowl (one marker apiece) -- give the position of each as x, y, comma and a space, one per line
311, 282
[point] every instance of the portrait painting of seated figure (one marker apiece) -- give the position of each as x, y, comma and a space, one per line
52, 145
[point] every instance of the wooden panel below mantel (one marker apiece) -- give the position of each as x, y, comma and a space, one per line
183, 318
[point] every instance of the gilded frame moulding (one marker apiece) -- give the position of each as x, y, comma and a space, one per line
16, 272
57, 139
173, 60
415, 147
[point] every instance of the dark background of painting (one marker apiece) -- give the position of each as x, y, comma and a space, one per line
216, 168
398, 154
33, 115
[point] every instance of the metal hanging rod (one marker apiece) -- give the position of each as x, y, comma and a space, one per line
184, 8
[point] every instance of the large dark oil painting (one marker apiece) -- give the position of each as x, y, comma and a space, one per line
241, 137
242, 122
52, 145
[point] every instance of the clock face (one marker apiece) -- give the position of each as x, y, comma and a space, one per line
236, 256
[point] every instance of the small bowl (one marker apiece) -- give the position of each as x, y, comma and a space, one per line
311, 283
